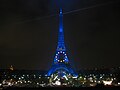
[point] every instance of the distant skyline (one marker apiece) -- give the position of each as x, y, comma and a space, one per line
29, 33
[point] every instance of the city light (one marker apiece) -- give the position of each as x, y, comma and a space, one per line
107, 82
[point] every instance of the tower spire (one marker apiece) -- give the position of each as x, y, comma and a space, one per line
61, 45
61, 21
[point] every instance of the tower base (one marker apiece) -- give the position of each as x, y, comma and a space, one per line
61, 68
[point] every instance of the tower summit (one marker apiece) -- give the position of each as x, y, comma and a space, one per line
61, 63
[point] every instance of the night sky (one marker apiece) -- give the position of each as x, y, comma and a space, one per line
29, 30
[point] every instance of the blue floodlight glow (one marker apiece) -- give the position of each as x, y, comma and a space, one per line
61, 61
60, 11
61, 30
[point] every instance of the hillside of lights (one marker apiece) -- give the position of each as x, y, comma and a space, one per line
31, 78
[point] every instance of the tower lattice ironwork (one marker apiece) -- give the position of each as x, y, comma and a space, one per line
61, 62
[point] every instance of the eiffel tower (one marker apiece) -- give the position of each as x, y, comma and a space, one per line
61, 62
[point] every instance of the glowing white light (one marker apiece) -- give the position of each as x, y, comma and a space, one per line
74, 77
90, 78
92, 85
84, 78
22, 77
58, 83
46, 75
9, 84
55, 77
107, 82
98, 81
65, 77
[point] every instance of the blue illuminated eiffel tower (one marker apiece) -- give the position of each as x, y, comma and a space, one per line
61, 62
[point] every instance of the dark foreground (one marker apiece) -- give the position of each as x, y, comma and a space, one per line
66, 88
